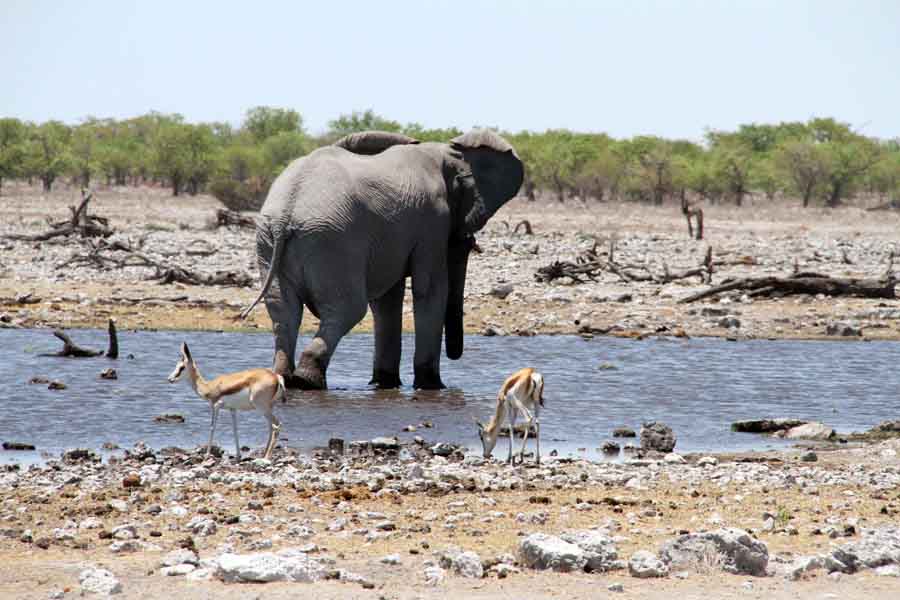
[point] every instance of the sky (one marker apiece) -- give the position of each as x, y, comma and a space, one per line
628, 67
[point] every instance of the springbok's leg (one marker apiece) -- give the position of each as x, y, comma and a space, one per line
274, 427
537, 440
212, 428
529, 419
512, 432
237, 444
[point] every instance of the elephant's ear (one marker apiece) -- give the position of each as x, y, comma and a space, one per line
373, 142
497, 173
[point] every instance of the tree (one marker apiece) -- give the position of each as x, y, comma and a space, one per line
732, 161
13, 135
359, 121
48, 153
558, 156
650, 164
85, 144
417, 131
169, 153
847, 163
804, 165
262, 122
280, 150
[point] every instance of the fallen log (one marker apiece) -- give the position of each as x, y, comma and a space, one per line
73, 350
803, 283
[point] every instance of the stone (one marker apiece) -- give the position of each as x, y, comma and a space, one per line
615, 587
876, 548
390, 559
644, 564
169, 418
610, 448
385, 443
501, 291
265, 567
804, 565
599, 550
99, 581
176, 570
465, 564
125, 532
740, 553
765, 425
109, 374
131, 480
202, 526
809, 456
542, 552
178, 557
883, 427
657, 436
434, 575
888, 571
810, 431
623, 432
674, 459
843, 329
729, 323
707, 461
17, 446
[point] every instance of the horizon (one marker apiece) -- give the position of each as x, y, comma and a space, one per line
678, 69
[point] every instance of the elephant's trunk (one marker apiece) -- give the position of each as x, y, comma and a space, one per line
457, 261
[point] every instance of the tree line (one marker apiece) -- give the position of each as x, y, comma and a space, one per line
818, 161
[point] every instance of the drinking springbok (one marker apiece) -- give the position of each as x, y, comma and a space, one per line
257, 389
522, 392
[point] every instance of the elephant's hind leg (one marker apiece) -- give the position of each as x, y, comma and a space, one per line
333, 326
286, 312
387, 312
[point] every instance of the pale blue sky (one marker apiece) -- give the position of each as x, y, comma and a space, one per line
629, 67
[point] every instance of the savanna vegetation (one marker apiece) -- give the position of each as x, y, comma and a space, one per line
818, 162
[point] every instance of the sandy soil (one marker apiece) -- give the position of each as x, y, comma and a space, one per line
844, 242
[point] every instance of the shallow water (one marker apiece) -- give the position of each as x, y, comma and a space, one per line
697, 386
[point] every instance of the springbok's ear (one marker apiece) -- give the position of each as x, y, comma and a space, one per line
185, 351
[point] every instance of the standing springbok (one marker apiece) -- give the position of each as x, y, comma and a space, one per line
257, 389
522, 392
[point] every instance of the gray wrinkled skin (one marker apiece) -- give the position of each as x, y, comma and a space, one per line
343, 227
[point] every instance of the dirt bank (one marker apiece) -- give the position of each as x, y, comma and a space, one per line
751, 241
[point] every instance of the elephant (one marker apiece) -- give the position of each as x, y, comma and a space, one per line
344, 226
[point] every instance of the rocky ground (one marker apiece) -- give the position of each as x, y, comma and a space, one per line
503, 296
427, 521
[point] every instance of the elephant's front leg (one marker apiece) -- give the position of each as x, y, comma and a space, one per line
429, 310
387, 312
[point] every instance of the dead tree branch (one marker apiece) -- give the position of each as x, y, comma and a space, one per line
526, 225
81, 223
229, 218
802, 283
689, 211
73, 350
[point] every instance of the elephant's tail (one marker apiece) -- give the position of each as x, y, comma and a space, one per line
277, 246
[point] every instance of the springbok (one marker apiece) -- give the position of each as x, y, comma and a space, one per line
522, 392
257, 389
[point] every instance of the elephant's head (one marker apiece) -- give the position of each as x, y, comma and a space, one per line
484, 173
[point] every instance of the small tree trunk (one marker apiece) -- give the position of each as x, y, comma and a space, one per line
85, 179
176, 185
47, 182
834, 198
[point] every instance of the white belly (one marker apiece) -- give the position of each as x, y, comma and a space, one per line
238, 401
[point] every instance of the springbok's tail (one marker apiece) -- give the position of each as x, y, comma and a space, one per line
277, 245
282, 392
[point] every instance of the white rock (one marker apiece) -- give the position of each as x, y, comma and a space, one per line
541, 551
180, 556
644, 564
99, 581
265, 567
176, 570
434, 575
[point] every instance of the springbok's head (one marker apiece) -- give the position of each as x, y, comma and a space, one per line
183, 362
488, 441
